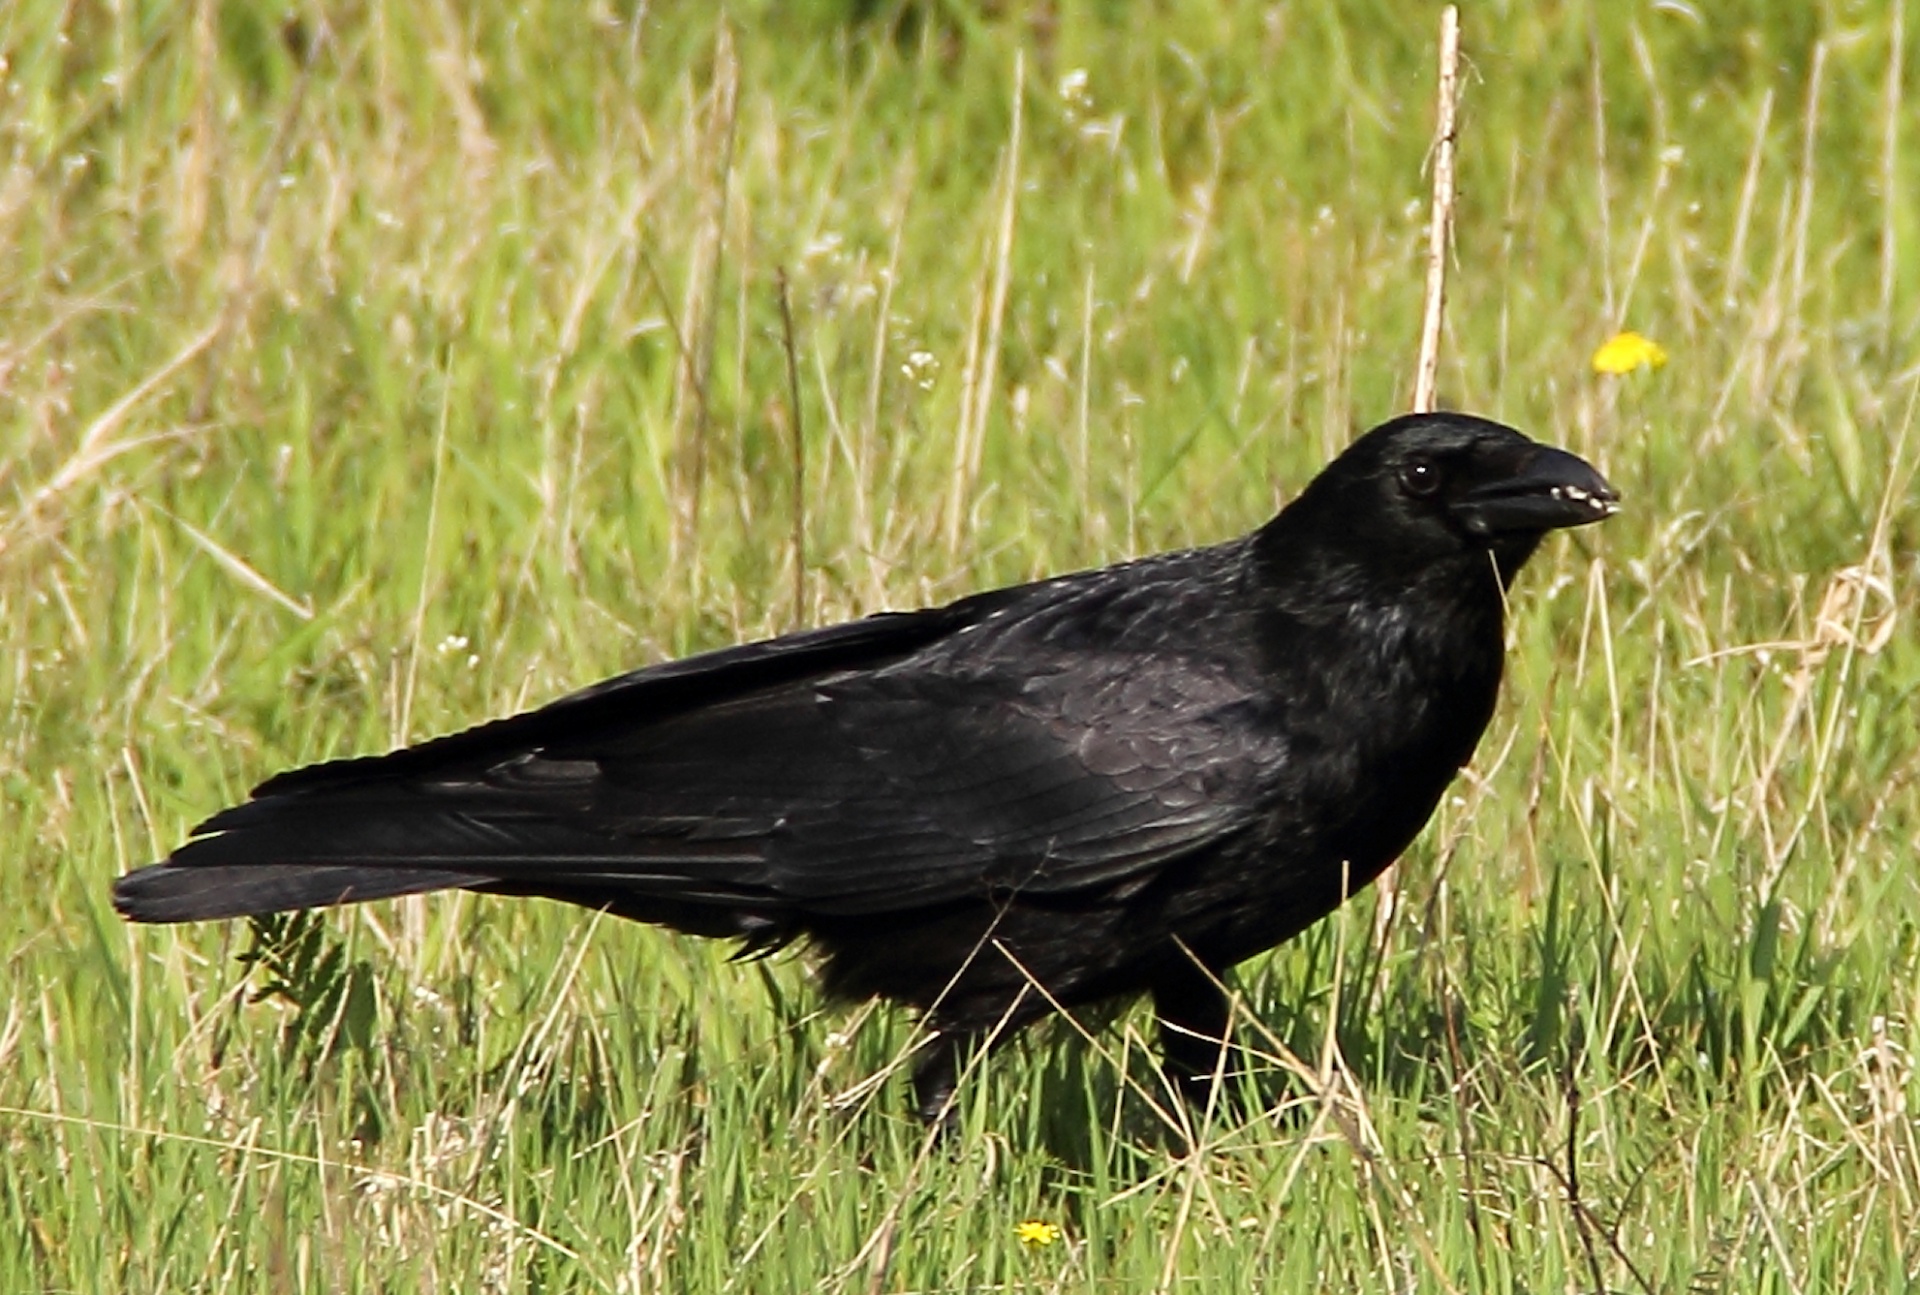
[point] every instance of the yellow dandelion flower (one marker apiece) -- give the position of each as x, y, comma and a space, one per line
1035, 1233
1625, 352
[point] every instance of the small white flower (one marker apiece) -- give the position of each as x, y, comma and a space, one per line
921, 369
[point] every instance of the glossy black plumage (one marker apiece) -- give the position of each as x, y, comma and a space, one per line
1119, 781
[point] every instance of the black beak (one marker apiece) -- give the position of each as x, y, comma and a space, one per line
1546, 490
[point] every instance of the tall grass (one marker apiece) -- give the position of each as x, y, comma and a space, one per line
368, 375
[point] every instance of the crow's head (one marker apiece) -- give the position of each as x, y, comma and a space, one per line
1429, 489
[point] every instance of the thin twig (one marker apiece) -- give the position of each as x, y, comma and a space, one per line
1427, 368
1463, 1118
1891, 204
97, 447
1440, 226
1570, 1176
1585, 1221
983, 344
699, 318
245, 273
799, 453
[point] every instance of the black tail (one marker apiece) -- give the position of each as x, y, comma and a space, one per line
168, 892
274, 854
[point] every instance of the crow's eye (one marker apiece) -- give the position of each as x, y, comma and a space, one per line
1420, 477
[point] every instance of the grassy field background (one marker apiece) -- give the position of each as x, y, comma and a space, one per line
366, 377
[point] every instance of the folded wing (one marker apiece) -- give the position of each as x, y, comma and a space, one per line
864, 769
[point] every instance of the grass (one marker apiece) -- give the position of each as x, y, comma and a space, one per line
361, 381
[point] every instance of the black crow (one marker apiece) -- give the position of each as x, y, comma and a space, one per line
1103, 784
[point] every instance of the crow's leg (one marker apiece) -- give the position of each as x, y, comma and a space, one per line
1193, 1014
936, 1074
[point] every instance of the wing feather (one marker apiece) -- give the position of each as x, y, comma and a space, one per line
1013, 743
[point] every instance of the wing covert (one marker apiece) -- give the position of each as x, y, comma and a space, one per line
887, 791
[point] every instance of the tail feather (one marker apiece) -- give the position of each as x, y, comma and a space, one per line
168, 892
